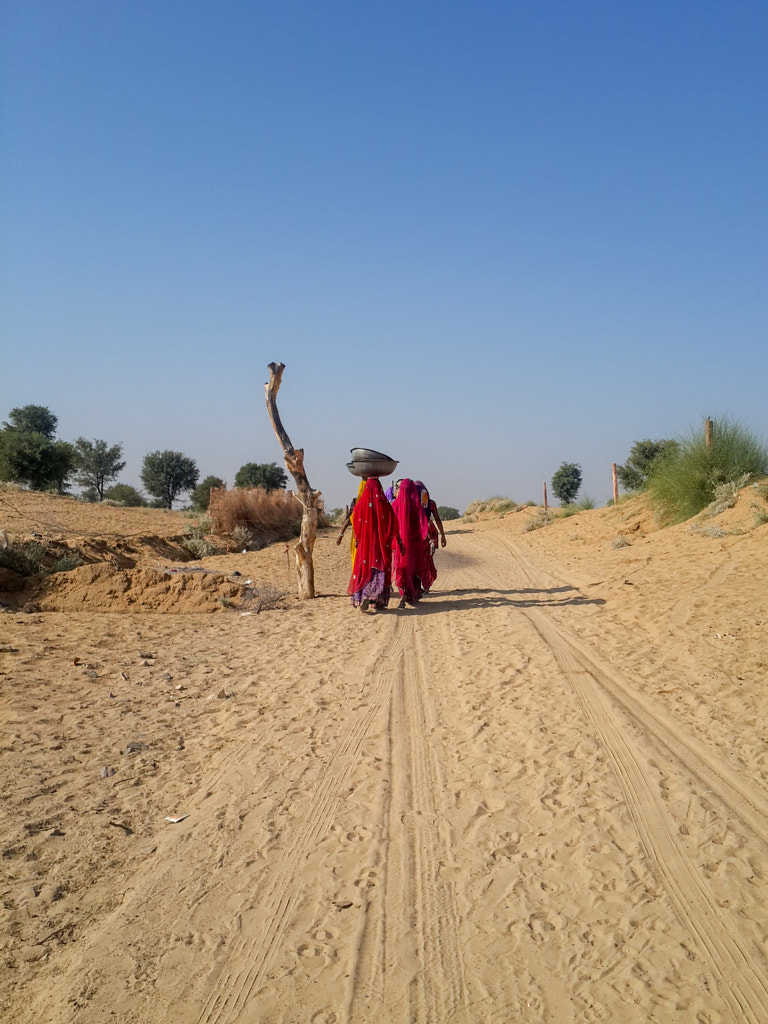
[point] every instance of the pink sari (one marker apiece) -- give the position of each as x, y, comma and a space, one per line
410, 568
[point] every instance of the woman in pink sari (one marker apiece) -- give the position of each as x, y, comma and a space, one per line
410, 568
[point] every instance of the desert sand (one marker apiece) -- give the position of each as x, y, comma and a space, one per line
542, 796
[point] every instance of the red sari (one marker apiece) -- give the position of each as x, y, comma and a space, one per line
375, 527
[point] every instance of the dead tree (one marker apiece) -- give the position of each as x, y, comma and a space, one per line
310, 500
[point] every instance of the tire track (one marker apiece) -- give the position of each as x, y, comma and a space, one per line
744, 984
743, 980
691, 753
411, 964
250, 958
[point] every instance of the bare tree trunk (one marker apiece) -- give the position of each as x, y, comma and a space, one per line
310, 500
708, 433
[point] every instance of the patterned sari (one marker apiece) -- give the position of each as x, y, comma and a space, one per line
375, 528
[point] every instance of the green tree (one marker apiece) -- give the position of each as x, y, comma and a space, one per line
447, 512
201, 496
29, 453
97, 464
267, 475
642, 455
566, 482
167, 474
33, 419
126, 495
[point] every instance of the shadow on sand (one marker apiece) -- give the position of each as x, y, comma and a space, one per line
459, 600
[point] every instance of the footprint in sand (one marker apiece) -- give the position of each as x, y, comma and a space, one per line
368, 881
358, 834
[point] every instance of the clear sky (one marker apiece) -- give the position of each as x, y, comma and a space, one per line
484, 236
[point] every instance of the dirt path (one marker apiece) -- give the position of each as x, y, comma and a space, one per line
496, 808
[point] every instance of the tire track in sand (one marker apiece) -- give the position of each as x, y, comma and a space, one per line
411, 964
742, 978
250, 956
715, 774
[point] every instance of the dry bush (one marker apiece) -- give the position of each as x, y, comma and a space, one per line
496, 505
263, 517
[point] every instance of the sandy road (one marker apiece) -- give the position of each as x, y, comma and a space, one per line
462, 814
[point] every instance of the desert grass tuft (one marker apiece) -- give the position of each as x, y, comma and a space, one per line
684, 482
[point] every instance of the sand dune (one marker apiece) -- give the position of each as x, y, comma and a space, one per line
540, 797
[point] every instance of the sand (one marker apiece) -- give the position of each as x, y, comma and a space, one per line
540, 797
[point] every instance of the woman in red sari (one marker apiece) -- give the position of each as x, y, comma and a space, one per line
411, 569
375, 527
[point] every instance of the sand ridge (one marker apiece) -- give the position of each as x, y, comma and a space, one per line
541, 796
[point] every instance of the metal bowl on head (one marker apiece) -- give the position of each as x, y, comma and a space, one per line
367, 462
366, 454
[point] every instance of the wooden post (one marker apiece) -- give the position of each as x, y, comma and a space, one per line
615, 485
545, 496
310, 500
708, 433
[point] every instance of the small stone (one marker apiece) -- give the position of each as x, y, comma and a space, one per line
134, 746
31, 954
106, 772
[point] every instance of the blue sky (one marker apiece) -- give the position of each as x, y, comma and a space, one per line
484, 237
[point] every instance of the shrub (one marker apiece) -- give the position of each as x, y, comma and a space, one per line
566, 482
125, 495
267, 516
642, 455
542, 518
447, 513
496, 506
27, 558
67, 562
726, 496
585, 504
197, 540
684, 480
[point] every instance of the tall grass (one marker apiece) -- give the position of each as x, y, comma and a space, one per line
686, 480
497, 505
255, 517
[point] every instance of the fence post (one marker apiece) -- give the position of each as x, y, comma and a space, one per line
708, 433
615, 485
545, 496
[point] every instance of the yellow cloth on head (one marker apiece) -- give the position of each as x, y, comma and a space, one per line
353, 542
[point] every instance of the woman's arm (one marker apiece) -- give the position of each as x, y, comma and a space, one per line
439, 524
347, 521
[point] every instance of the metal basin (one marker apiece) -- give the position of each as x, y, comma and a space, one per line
372, 467
366, 454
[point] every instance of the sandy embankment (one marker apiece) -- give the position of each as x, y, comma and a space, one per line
540, 797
